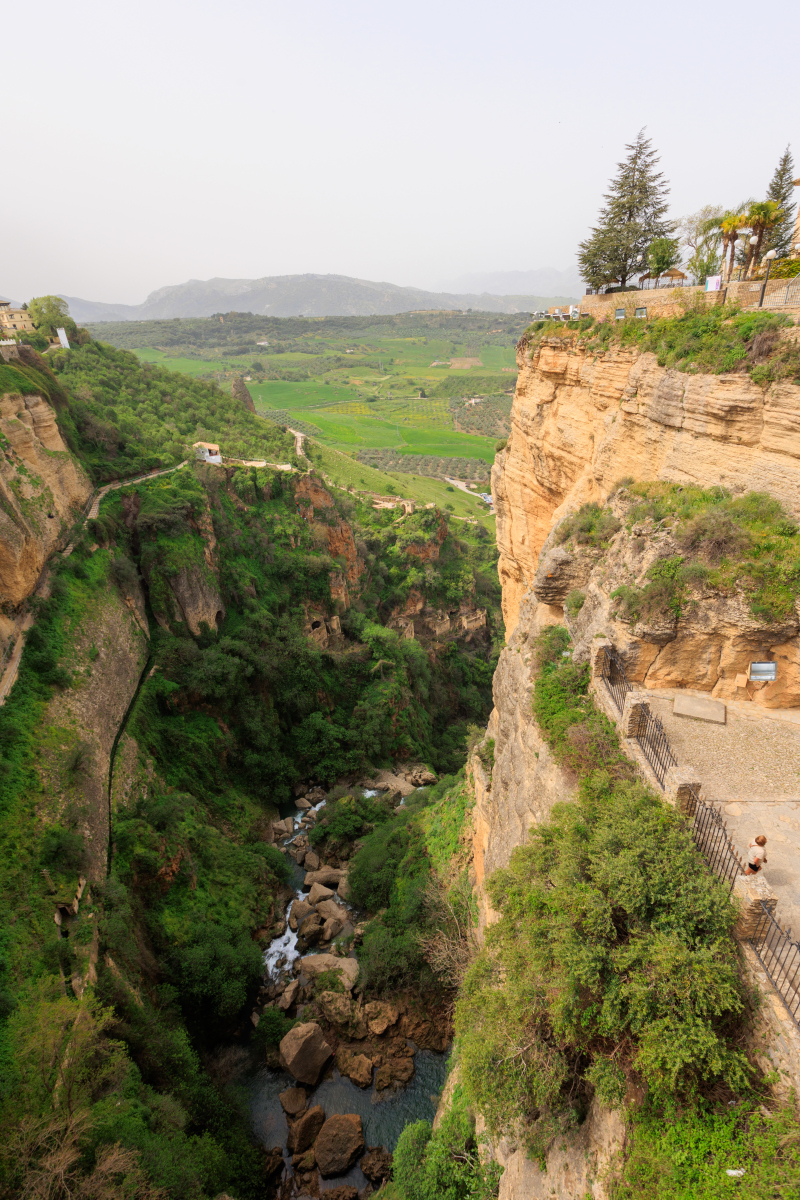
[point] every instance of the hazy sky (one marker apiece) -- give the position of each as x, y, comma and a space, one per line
151, 142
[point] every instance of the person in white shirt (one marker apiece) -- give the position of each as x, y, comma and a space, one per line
756, 855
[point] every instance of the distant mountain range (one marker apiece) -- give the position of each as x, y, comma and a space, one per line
545, 281
315, 296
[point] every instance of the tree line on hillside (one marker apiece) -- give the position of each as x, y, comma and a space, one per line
635, 237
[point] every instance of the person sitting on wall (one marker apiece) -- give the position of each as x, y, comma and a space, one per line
756, 855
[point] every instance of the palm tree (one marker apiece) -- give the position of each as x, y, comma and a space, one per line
762, 216
730, 224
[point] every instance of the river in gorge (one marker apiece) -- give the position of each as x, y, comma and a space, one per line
383, 1114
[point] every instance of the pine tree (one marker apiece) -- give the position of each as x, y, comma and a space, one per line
781, 189
631, 218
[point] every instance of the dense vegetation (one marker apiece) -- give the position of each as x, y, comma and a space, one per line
445, 1164
409, 866
611, 966
225, 723
744, 543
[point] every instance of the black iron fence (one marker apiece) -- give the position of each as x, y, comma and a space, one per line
712, 839
780, 958
654, 745
615, 678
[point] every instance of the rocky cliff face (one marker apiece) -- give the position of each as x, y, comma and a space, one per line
580, 423
582, 420
42, 488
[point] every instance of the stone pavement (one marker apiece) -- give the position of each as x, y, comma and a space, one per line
751, 767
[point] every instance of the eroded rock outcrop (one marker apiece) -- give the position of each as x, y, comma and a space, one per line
582, 420
42, 489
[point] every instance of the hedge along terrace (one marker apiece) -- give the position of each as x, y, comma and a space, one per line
713, 341
611, 970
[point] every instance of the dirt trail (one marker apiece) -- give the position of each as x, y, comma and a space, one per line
299, 438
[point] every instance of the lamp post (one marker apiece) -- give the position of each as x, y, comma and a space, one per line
770, 256
753, 244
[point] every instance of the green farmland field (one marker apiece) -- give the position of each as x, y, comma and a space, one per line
354, 384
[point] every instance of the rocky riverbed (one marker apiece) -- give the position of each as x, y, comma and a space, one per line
332, 1099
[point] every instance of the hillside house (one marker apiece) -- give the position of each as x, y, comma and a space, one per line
207, 452
16, 320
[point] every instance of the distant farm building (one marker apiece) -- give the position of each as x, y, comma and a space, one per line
207, 452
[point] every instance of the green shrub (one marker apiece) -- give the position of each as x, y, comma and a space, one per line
575, 602
445, 1164
591, 525
63, 849
612, 952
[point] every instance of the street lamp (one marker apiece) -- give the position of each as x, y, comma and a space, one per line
770, 256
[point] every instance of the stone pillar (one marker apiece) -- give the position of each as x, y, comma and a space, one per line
750, 890
682, 788
599, 658
634, 714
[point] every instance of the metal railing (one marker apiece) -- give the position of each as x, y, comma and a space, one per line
712, 839
615, 678
780, 958
655, 746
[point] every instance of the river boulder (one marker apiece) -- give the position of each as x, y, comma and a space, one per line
293, 1101
381, 1014
356, 1067
339, 1145
305, 1129
329, 908
330, 876
311, 861
304, 1052
314, 964
319, 892
289, 997
376, 1164
299, 911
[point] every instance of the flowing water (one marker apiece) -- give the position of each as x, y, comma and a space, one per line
383, 1114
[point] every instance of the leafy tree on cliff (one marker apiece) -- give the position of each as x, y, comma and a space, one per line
48, 312
781, 190
630, 221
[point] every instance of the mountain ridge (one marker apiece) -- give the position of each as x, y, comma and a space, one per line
309, 295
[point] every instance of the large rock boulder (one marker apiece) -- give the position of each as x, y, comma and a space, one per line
298, 912
311, 861
289, 997
381, 1014
314, 964
311, 930
304, 1052
559, 573
319, 892
330, 876
331, 929
329, 908
355, 1066
376, 1165
304, 1130
339, 1145
293, 1101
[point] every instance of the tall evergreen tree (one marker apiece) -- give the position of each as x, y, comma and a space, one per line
631, 218
781, 190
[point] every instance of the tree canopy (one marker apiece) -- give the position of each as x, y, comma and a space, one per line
631, 219
781, 190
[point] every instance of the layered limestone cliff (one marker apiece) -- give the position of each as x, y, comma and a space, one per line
582, 420
42, 489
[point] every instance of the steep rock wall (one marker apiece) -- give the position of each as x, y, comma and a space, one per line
582, 420
107, 653
42, 488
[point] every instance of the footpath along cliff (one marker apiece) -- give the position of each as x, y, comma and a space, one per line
585, 425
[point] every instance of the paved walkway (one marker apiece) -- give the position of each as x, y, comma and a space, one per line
751, 766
